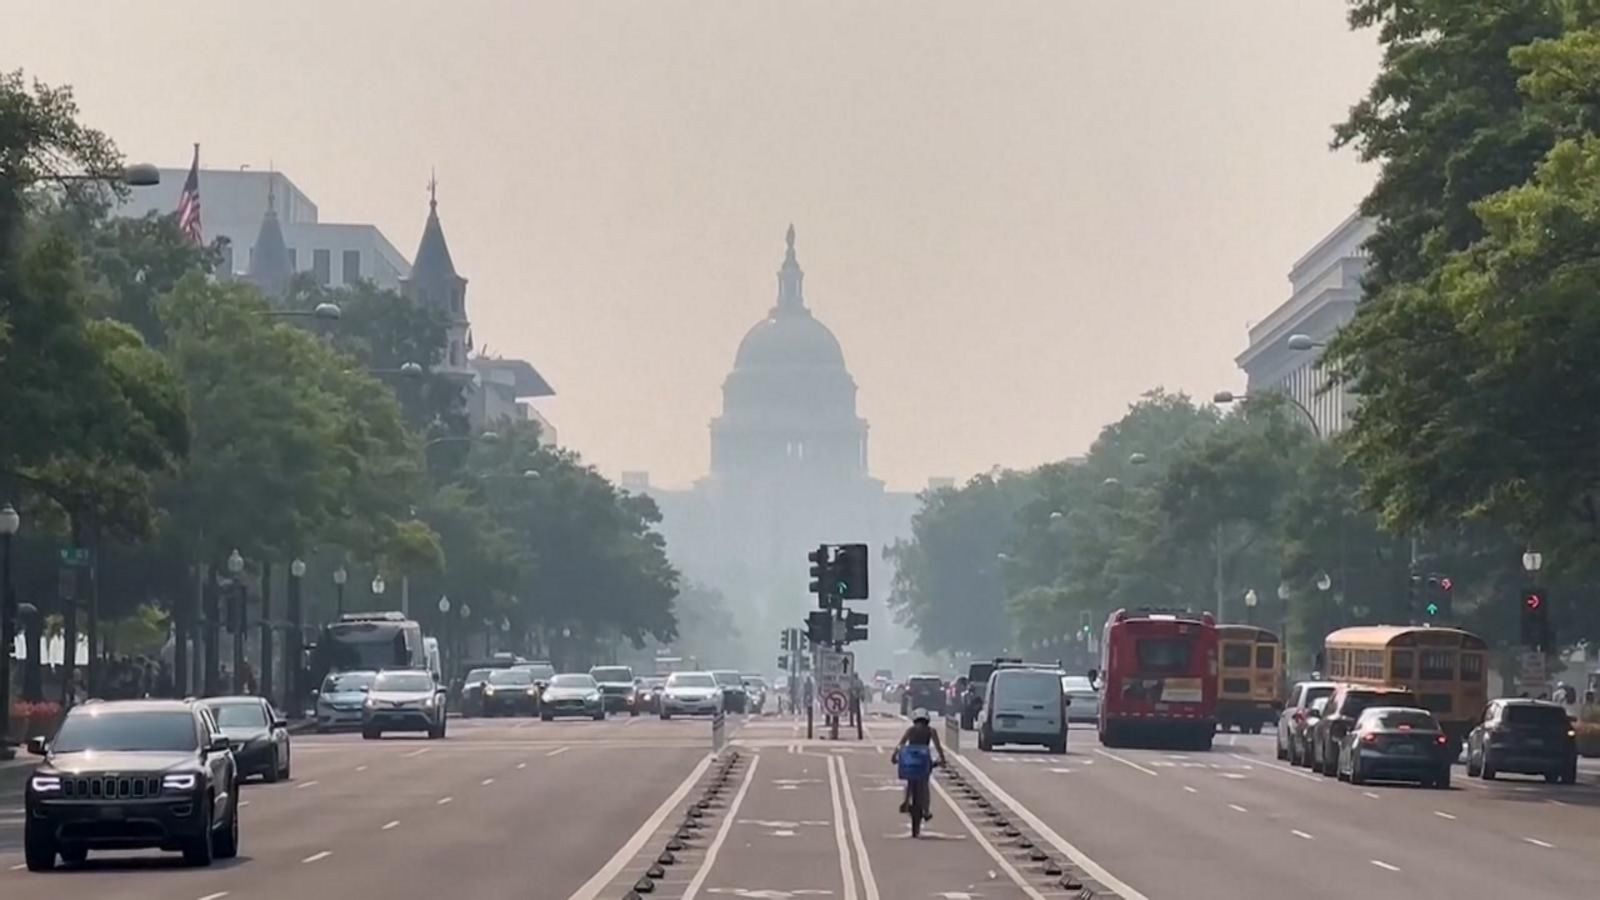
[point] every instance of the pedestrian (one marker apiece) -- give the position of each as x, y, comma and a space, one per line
248, 684
858, 692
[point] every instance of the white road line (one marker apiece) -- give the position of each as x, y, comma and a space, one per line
416, 753
846, 870
558, 751
244, 803
1555, 802
1285, 769
307, 784
1538, 843
522, 765
1095, 870
1237, 808
217, 896
1190, 789
19, 867
486, 782
983, 842
389, 826
1370, 794
868, 882
1444, 815
321, 854
1233, 740
722, 833
1301, 834
1127, 762
361, 768
444, 800
601, 880
1383, 865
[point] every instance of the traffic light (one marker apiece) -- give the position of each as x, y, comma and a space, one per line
850, 572
1439, 602
821, 574
783, 663
1535, 618
855, 626
1085, 625
819, 627
783, 642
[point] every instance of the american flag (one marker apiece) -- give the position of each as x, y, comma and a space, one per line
189, 202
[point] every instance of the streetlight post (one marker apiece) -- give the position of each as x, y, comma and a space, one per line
340, 576
293, 639
1250, 601
236, 618
1223, 398
10, 524
133, 175
377, 589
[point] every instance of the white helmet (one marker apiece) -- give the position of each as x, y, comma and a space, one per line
921, 715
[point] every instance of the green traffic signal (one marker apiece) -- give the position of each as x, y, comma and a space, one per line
1433, 609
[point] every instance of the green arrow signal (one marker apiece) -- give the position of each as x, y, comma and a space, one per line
1433, 609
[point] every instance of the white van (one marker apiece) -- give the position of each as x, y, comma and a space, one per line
1024, 706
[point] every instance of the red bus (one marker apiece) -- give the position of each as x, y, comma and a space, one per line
1158, 679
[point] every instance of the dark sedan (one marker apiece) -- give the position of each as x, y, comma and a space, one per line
1528, 737
1396, 743
257, 734
510, 692
472, 691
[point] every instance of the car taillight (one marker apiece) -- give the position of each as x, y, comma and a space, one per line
1299, 717
1369, 738
1441, 740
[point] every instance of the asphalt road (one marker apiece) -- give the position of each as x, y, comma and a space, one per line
583, 810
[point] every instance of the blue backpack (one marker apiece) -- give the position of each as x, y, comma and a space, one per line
916, 762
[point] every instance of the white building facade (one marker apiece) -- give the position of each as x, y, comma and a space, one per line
1325, 288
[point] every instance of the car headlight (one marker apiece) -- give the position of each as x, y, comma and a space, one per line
488, 690
179, 782
427, 702
533, 692
45, 784
367, 703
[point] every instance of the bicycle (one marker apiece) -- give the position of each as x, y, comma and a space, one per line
916, 767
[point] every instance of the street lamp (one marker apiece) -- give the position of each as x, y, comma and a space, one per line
444, 605
340, 576
377, 585
236, 620
327, 312
1223, 398
1532, 561
10, 524
1324, 581
487, 437
1304, 342
1250, 601
133, 175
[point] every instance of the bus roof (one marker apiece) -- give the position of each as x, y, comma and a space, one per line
1133, 616
1404, 636
1246, 632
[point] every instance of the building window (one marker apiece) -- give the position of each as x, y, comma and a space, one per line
294, 260
322, 266
352, 266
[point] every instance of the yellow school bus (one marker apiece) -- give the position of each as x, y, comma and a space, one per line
1249, 678
1445, 667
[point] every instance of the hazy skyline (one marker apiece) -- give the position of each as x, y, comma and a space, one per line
1016, 217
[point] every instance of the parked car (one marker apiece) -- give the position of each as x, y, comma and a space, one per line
1344, 706
1396, 744
257, 734
1529, 737
1301, 696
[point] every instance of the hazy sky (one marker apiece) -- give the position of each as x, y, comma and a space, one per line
1016, 216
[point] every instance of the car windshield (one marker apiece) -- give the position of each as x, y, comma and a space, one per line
478, 675
614, 674
404, 681
691, 680
239, 715
1401, 720
575, 680
1313, 694
171, 731
510, 677
1077, 684
1029, 687
1528, 714
1357, 701
539, 671
345, 682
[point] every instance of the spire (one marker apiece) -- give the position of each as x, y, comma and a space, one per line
791, 299
270, 270
433, 254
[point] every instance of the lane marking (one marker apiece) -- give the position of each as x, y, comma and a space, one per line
1237, 808
217, 896
444, 800
387, 826
306, 784
522, 765
558, 751
416, 753
722, 832
994, 854
1127, 762
1538, 843
486, 782
601, 880
242, 804
361, 768
1370, 794
19, 867
1190, 789
322, 854
1289, 770
1444, 815
867, 880
846, 870
1301, 834
1383, 865
1095, 870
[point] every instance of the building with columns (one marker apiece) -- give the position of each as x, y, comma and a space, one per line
789, 470
1325, 288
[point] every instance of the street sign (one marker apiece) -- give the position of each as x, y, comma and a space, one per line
835, 702
77, 557
833, 672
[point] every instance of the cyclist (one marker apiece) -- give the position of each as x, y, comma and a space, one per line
918, 737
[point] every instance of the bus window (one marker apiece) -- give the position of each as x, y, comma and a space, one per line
1236, 656
1163, 655
1472, 667
1402, 664
1437, 665
1266, 656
